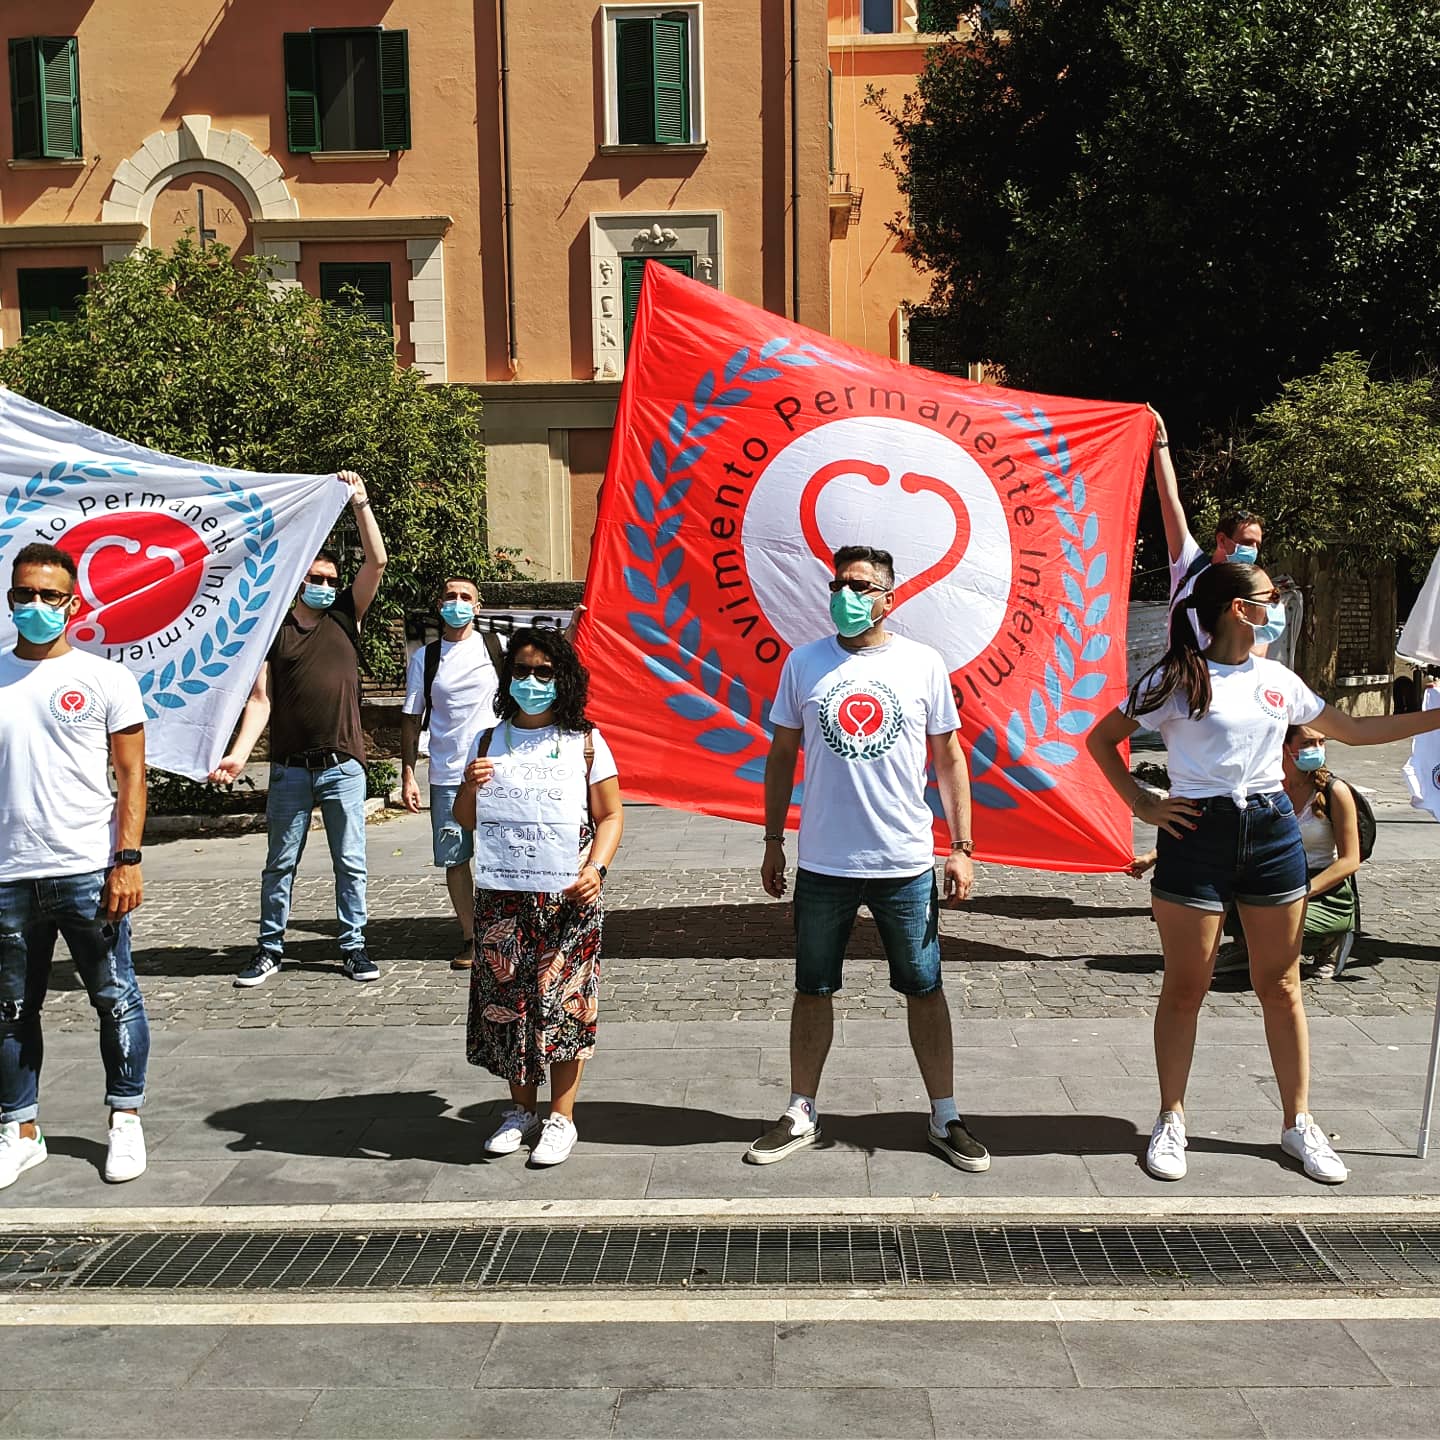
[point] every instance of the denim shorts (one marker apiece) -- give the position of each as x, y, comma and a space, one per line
1250, 854
906, 914
452, 844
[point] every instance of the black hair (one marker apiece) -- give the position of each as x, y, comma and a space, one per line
1182, 666
882, 560
462, 580
1232, 521
39, 553
328, 554
572, 680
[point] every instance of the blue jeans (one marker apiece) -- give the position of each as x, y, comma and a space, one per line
907, 915
452, 845
32, 914
294, 794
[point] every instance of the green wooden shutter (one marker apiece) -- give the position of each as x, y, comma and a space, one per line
635, 81
302, 98
672, 79
632, 277
25, 99
49, 294
395, 89
371, 280
60, 90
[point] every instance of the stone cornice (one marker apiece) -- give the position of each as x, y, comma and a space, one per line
353, 227
115, 232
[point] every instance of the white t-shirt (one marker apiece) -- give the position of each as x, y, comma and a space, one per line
1235, 748
462, 701
1180, 587
865, 715
57, 814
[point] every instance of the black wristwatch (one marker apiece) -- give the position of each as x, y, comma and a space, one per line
126, 857
601, 870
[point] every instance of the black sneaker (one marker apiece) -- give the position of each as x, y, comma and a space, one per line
259, 970
359, 966
960, 1147
781, 1140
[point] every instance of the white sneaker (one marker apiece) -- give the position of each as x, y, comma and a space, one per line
125, 1158
557, 1140
1165, 1159
18, 1153
1305, 1141
517, 1127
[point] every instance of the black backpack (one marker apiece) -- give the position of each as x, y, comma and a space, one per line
432, 667
1199, 563
1363, 813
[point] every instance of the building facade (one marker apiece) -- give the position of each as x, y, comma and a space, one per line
490, 176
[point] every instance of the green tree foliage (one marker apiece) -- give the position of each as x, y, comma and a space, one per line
197, 356
1186, 201
1340, 462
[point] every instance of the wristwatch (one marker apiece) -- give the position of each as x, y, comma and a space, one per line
126, 857
601, 870
965, 847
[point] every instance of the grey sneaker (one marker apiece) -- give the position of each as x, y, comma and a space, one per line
787, 1135
959, 1147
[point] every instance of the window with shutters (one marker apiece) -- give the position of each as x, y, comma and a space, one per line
347, 90
51, 294
338, 284
45, 98
926, 343
632, 277
652, 75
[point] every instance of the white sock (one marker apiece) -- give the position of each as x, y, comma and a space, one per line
802, 1107
942, 1112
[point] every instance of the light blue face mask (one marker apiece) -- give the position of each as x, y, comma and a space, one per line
1310, 757
40, 623
457, 613
318, 597
533, 696
1243, 555
1274, 626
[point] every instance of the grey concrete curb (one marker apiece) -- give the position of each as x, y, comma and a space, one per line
168, 826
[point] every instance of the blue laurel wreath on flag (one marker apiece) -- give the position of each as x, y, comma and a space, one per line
1050, 721
44, 486
208, 658
731, 722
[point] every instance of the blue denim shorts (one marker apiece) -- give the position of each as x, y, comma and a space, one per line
906, 911
1251, 854
452, 844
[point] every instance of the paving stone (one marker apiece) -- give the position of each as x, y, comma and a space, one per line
1399, 1413
1040, 1414
442, 1414
779, 1414
158, 1357
197, 1414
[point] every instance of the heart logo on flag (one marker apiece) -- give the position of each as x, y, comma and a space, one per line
911, 484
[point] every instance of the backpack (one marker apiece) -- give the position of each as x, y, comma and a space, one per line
1363, 814
432, 667
1199, 563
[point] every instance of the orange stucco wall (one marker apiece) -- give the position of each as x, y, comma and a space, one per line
870, 273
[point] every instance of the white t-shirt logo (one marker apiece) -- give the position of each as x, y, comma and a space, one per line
72, 703
860, 720
1271, 701
1435, 778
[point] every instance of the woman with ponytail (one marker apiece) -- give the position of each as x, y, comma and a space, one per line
1228, 834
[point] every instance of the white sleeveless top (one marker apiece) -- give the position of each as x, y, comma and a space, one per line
1318, 837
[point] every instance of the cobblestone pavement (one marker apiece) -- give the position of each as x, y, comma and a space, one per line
707, 945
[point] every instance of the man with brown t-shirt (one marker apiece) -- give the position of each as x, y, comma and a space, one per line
308, 690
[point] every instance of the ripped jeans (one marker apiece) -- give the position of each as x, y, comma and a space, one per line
32, 914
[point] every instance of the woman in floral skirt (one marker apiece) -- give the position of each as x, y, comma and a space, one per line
544, 770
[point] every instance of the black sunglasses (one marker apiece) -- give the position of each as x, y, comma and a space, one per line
540, 672
28, 595
1271, 597
860, 587
329, 580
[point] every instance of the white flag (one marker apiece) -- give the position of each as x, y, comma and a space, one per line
1420, 639
185, 570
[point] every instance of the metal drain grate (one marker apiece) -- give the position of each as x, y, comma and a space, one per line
1153, 1257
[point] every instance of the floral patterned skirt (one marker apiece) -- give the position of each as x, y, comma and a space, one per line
534, 983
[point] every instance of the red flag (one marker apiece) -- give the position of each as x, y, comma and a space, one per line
746, 450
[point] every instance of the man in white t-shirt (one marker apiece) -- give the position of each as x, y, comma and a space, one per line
456, 704
867, 706
69, 858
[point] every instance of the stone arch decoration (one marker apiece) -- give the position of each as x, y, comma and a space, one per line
196, 148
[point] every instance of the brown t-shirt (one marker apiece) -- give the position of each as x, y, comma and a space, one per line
315, 685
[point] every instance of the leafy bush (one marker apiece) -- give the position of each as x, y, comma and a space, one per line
174, 795
381, 777
199, 356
